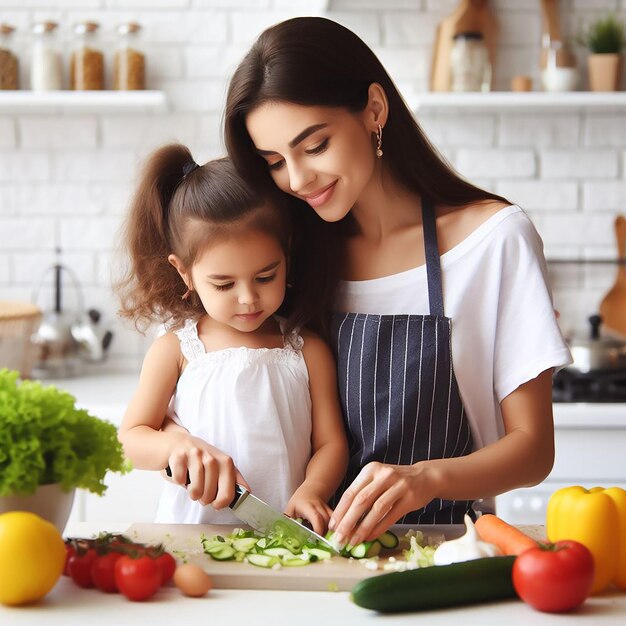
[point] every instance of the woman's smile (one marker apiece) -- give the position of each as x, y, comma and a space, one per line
321, 196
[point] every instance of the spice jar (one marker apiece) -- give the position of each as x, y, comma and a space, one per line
469, 63
45, 71
8, 61
86, 62
129, 66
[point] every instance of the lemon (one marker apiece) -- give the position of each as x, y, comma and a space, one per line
32, 557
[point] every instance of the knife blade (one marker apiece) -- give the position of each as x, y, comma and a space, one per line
261, 517
265, 519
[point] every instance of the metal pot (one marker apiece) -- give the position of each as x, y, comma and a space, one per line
596, 352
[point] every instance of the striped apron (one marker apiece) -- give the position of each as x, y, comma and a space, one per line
398, 391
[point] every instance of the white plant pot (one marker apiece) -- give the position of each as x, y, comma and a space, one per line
49, 502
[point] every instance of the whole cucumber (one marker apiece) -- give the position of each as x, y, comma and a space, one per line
439, 586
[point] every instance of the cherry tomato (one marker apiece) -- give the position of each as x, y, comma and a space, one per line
138, 579
70, 550
554, 577
103, 572
167, 564
79, 567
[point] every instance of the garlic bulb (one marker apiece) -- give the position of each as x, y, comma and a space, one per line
465, 548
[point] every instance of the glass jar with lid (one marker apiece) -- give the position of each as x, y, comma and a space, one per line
9, 72
129, 65
86, 61
46, 69
470, 69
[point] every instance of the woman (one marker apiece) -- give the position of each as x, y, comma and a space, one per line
443, 325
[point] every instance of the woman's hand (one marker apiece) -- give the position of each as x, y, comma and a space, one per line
308, 505
378, 497
212, 473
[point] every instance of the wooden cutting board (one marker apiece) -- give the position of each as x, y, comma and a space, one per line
613, 305
469, 15
336, 574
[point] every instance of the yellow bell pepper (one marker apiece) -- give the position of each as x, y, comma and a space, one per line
597, 519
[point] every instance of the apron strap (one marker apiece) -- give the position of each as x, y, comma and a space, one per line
433, 264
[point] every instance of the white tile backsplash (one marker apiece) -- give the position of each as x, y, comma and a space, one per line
66, 178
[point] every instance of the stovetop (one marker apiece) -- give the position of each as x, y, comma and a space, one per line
598, 386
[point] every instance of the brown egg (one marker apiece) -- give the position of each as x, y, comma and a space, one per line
192, 580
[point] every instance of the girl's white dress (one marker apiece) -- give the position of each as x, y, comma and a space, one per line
253, 404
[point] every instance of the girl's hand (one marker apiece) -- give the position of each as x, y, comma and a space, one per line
305, 503
212, 473
378, 497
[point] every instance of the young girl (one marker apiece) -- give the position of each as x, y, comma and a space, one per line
256, 402
442, 319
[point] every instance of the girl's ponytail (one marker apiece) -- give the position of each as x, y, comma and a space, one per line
149, 283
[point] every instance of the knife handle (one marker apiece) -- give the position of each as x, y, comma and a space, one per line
168, 471
239, 490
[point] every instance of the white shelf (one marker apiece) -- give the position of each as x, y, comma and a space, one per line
82, 101
513, 101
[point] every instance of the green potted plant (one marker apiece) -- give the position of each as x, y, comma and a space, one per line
49, 448
605, 40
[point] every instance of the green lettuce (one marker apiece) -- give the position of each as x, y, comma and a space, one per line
45, 439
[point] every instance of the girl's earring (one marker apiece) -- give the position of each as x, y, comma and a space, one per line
186, 294
379, 142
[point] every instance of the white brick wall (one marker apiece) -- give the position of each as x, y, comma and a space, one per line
65, 178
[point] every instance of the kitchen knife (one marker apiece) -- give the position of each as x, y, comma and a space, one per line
263, 518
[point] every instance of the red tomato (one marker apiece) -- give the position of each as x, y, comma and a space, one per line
70, 550
167, 564
554, 577
79, 567
137, 579
103, 572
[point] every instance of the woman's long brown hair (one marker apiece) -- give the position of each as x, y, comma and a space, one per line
174, 213
316, 62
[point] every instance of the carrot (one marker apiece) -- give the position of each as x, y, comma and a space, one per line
509, 539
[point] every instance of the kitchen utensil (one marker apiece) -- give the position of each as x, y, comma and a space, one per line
262, 517
596, 352
469, 16
58, 351
93, 340
336, 574
613, 305
18, 321
67, 336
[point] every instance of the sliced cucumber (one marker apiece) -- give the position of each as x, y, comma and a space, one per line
373, 550
224, 552
388, 540
278, 552
319, 553
262, 560
360, 550
245, 544
295, 561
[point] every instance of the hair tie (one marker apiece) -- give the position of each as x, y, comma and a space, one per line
189, 167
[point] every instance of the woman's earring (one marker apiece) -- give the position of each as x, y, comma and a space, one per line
186, 294
379, 142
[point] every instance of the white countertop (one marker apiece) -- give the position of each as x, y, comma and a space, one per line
108, 394
69, 605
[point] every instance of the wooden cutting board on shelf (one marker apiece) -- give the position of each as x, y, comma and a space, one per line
469, 16
336, 574
613, 305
